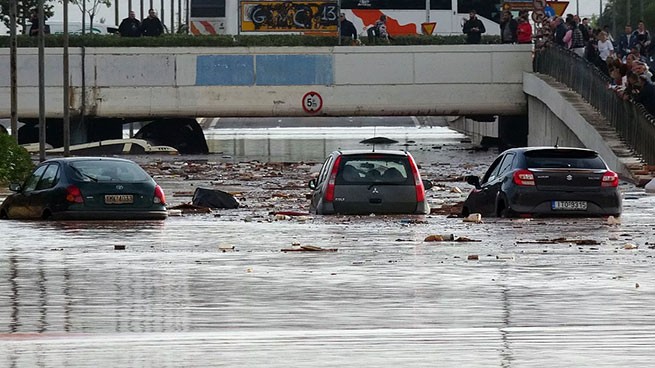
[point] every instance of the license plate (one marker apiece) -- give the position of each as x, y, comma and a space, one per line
118, 198
569, 205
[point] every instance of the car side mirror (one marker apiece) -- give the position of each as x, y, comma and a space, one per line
427, 184
14, 187
312, 184
473, 180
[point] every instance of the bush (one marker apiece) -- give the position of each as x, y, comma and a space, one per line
184, 40
15, 161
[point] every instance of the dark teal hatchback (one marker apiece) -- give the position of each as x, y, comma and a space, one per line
86, 188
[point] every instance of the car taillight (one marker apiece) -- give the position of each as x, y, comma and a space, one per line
73, 194
159, 195
523, 177
610, 179
329, 192
418, 183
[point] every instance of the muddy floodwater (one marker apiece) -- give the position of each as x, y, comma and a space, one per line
233, 288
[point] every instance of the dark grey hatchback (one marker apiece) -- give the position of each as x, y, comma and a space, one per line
365, 182
546, 181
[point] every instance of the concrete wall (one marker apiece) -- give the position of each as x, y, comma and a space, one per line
554, 114
375, 80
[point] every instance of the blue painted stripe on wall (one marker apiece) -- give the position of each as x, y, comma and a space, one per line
293, 70
225, 70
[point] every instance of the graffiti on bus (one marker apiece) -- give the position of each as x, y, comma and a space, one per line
369, 16
278, 16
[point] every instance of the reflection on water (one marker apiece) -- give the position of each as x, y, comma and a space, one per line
171, 297
314, 144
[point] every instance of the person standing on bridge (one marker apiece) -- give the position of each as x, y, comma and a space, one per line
524, 30
473, 28
625, 42
151, 26
347, 30
508, 27
130, 26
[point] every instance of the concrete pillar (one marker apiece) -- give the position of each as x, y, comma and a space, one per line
513, 131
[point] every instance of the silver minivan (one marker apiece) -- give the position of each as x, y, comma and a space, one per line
364, 182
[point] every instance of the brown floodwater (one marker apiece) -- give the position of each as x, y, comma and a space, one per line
219, 289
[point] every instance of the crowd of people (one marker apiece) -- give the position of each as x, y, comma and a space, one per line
625, 61
132, 27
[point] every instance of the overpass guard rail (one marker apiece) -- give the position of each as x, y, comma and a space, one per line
631, 121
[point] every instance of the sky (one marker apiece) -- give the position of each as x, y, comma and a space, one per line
587, 8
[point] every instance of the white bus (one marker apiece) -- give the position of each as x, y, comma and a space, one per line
404, 17
57, 27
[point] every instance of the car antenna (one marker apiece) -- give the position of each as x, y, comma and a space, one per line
407, 144
557, 142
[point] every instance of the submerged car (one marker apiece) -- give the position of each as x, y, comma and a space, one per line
365, 182
86, 188
545, 181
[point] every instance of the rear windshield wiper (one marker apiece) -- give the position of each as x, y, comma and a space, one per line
83, 174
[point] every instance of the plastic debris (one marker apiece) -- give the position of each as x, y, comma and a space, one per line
175, 212
308, 248
225, 247
611, 220
474, 217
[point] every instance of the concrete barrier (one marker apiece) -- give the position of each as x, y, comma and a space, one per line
283, 81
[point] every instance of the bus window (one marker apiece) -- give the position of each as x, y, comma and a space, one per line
207, 9
388, 4
484, 8
441, 4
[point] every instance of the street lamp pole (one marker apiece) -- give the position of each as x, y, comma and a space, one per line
42, 136
66, 102
13, 45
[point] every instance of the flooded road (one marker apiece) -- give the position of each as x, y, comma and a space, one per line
229, 288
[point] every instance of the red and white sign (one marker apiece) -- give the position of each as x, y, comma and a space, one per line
312, 102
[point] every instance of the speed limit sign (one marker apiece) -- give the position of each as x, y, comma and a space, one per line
312, 102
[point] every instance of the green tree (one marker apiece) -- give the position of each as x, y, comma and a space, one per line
23, 15
15, 161
618, 11
92, 7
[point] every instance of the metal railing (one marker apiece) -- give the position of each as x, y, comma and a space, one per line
630, 120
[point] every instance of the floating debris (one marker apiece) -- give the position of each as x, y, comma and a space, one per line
474, 217
560, 240
226, 247
308, 248
611, 220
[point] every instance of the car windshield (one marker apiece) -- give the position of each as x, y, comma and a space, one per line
102, 171
374, 168
564, 159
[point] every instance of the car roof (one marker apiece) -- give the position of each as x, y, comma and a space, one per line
548, 148
369, 151
79, 159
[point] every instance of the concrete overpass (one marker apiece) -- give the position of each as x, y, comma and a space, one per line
275, 81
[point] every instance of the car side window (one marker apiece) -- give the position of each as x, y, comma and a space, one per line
33, 180
493, 170
324, 170
507, 164
49, 178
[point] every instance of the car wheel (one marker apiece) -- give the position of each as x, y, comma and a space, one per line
503, 210
46, 215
